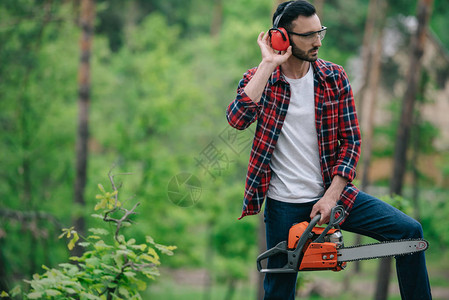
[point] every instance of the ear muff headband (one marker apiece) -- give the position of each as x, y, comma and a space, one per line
279, 36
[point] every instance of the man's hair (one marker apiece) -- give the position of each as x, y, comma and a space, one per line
294, 10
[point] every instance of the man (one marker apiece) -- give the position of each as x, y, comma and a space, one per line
306, 147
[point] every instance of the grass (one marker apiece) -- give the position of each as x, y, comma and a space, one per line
167, 289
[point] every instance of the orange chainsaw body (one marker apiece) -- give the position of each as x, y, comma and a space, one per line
309, 248
316, 256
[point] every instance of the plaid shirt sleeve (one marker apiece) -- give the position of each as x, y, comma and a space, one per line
242, 112
339, 137
348, 132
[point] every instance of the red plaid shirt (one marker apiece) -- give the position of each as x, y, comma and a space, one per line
336, 126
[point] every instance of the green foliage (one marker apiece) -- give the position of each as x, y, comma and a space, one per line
434, 218
344, 33
37, 130
115, 268
438, 22
399, 202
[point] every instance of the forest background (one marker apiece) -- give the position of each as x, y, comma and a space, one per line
160, 76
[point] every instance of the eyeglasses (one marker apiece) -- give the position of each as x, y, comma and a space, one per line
310, 36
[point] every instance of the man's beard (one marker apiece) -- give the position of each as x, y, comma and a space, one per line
303, 55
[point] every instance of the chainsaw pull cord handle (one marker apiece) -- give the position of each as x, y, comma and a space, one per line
333, 222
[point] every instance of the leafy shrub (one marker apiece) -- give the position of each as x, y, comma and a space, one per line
111, 267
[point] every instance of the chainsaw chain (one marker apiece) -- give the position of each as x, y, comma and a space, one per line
385, 242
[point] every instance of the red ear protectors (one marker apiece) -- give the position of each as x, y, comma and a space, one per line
279, 39
278, 36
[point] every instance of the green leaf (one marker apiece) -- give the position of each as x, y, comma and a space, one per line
76, 258
140, 247
16, 291
93, 261
141, 285
99, 231
73, 241
66, 232
101, 188
35, 295
129, 274
123, 291
168, 250
97, 216
85, 295
84, 244
121, 239
149, 258
101, 204
153, 252
100, 246
51, 292
97, 271
119, 260
149, 239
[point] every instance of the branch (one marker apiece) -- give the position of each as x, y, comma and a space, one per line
119, 222
127, 213
133, 266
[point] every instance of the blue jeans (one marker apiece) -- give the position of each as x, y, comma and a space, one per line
370, 217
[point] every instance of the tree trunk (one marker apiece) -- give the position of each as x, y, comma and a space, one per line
408, 102
87, 17
231, 289
4, 280
276, 4
319, 7
405, 124
367, 94
383, 279
416, 145
415, 170
370, 100
217, 18
369, 104
209, 258
366, 54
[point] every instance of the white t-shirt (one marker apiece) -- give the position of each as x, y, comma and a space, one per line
295, 163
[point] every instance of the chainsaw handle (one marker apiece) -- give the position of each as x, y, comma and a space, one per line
332, 221
279, 248
313, 222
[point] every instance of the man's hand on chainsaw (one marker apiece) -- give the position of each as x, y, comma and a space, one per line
329, 200
324, 207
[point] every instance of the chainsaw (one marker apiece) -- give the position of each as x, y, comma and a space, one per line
311, 248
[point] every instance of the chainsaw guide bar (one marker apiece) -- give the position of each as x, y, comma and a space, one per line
311, 248
383, 249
